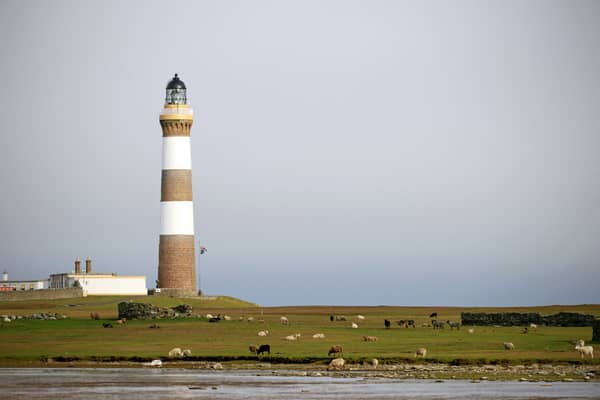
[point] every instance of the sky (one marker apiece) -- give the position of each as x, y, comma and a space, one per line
343, 152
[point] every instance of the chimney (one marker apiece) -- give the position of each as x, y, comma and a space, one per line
77, 266
5, 276
88, 265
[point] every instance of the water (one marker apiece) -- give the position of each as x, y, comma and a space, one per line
149, 384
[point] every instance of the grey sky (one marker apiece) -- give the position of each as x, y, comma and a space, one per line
344, 152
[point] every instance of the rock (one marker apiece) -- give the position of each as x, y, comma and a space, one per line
525, 319
130, 310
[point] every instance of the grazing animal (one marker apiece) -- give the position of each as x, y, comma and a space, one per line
264, 348
369, 338
186, 353
319, 336
433, 315
580, 343
209, 316
263, 333
471, 330
585, 351
226, 317
253, 348
331, 318
387, 323
453, 325
154, 326
284, 321
175, 353
354, 325
336, 363
421, 352
214, 319
155, 363
94, 315
374, 363
425, 325
340, 317
250, 319
410, 322
533, 326
525, 330
106, 325
509, 346
437, 324
291, 338
337, 349
401, 322
360, 317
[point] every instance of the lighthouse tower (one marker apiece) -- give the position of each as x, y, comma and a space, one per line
176, 255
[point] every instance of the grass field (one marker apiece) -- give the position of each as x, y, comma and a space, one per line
80, 337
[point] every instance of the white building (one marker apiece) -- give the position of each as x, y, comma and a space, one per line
99, 284
6, 285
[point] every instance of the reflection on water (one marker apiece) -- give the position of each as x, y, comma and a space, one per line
148, 384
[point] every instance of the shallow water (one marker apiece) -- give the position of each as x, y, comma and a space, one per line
149, 384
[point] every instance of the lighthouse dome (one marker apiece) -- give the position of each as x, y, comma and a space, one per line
176, 92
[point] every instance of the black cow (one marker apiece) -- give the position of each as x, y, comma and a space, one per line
387, 323
264, 348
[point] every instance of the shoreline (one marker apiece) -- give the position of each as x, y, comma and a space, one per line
423, 371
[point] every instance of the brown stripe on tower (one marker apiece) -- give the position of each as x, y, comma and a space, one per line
176, 185
176, 256
176, 127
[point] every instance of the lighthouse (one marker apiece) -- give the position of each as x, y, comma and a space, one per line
176, 254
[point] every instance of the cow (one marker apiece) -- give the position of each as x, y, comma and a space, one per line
337, 349
387, 323
263, 348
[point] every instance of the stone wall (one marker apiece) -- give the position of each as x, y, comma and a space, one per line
520, 319
132, 310
43, 294
596, 331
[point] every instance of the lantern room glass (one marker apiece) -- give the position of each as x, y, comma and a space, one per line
176, 96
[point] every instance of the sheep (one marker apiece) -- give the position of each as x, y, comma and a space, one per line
585, 351
374, 363
453, 325
319, 336
337, 349
209, 316
155, 363
263, 333
354, 325
401, 322
580, 343
410, 322
154, 326
250, 319
264, 348
369, 338
107, 325
175, 353
340, 318
437, 324
360, 317
336, 363
214, 319
253, 348
433, 315
471, 330
421, 352
186, 353
284, 321
509, 346
387, 323
290, 338
226, 317
533, 326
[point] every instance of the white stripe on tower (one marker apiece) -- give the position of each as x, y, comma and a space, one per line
177, 152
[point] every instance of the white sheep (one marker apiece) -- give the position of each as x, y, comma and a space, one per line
284, 321
369, 338
585, 351
175, 352
226, 317
319, 336
250, 319
533, 326
509, 346
263, 333
336, 363
186, 353
209, 316
360, 317
291, 338
421, 352
374, 362
471, 330
354, 325
580, 343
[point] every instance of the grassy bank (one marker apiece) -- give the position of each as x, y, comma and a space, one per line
80, 338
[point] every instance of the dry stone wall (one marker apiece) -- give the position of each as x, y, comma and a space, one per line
132, 310
520, 319
42, 294
596, 331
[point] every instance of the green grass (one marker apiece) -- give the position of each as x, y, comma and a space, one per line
82, 338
